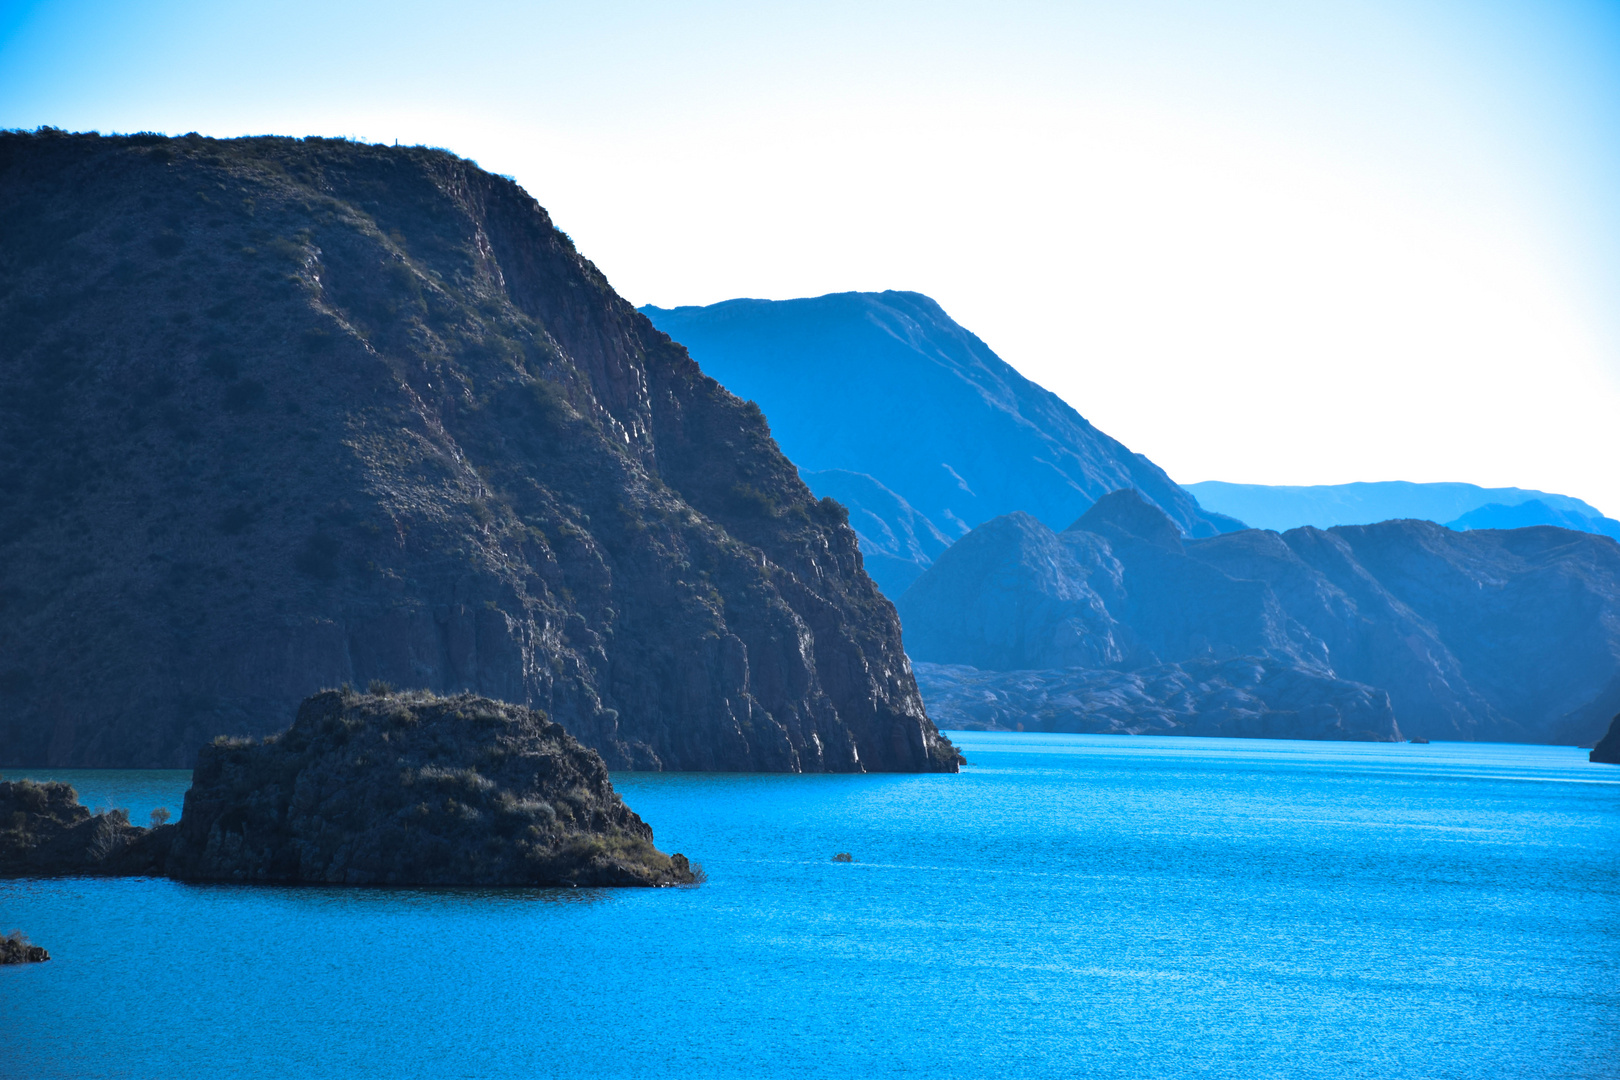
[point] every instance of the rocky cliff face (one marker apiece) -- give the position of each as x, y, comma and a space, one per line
1497, 635
1607, 749
936, 425
279, 414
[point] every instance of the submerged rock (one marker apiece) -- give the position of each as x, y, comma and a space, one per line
374, 789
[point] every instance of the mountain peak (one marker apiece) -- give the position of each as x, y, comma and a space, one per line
1128, 512
888, 385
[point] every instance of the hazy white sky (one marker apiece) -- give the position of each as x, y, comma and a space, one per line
1286, 242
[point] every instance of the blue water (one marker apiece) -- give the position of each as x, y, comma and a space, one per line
1068, 906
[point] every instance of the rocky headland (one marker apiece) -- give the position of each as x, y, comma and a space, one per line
1406, 628
278, 414
365, 789
1607, 749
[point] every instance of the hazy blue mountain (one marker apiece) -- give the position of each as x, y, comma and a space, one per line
1534, 512
1323, 506
1491, 634
897, 543
887, 386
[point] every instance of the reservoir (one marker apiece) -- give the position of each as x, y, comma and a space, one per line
1067, 906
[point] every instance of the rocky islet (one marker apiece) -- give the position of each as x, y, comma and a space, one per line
365, 789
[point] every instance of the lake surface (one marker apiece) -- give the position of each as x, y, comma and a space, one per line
1068, 906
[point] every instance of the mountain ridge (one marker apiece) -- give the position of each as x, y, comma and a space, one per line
1455, 505
1490, 635
888, 386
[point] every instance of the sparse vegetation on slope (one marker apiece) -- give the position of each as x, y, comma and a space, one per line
278, 414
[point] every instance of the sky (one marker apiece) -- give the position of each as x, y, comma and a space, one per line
1266, 242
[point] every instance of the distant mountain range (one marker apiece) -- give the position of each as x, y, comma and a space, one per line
913, 423
1457, 506
1119, 623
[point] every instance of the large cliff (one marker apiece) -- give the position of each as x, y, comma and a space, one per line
1509, 635
281, 414
893, 408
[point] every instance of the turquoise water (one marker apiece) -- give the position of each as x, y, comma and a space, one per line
1068, 906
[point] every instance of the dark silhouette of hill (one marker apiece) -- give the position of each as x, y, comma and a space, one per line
1492, 635
886, 385
1459, 506
1607, 749
279, 414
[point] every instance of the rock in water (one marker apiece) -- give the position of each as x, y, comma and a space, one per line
1608, 748
45, 832
15, 949
390, 789
407, 789
281, 414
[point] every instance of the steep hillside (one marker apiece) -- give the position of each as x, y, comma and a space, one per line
278, 414
1493, 635
887, 385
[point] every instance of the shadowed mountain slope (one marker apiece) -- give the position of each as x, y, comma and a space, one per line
887, 385
1494, 635
278, 414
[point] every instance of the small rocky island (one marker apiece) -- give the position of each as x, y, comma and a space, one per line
365, 789
15, 948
